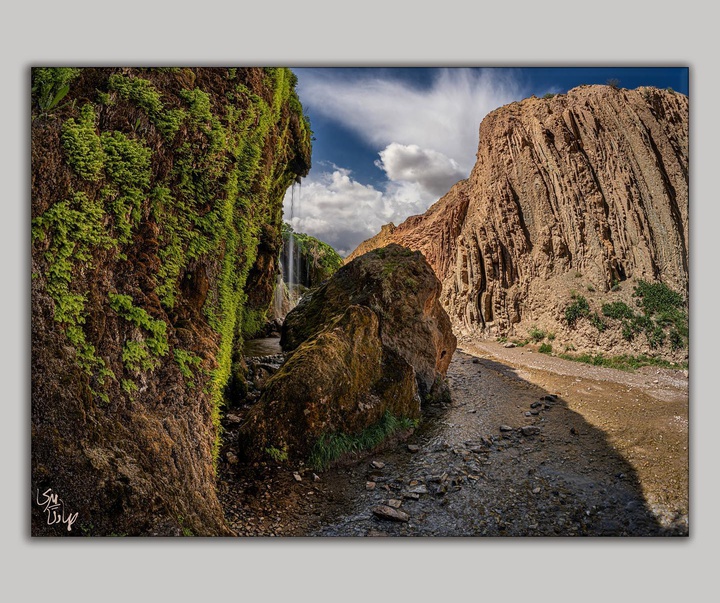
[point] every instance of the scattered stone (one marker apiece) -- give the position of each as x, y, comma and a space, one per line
476, 361
534, 413
535, 404
390, 514
411, 495
529, 430
378, 464
316, 477
297, 476
419, 489
472, 411
536, 491
394, 503
505, 428
550, 397
509, 344
369, 485
528, 414
231, 458
233, 419
413, 448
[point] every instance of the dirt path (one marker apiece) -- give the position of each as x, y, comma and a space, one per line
531, 445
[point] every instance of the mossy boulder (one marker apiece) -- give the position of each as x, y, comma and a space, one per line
403, 291
343, 380
364, 350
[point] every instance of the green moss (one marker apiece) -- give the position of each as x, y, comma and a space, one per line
156, 344
72, 229
188, 363
142, 93
332, 446
127, 164
83, 146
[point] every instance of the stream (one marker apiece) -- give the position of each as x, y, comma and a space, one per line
521, 450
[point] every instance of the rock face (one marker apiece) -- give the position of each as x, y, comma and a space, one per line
157, 207
582, 191
368, 344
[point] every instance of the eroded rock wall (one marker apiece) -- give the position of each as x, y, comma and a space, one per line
157, 213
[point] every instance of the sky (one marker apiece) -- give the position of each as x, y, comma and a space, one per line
389, 142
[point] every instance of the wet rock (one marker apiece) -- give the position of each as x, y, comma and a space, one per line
390, 514
231, 419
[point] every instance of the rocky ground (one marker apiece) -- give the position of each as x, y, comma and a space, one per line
531, 445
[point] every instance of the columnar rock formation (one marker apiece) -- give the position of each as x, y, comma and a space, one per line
585, 189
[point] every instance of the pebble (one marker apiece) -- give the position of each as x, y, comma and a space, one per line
378, 464
505, 428
509, 344
233, 419
536, 491
411, 495
316, 477
231, 458
297, 476
535, 404
530, 430
385, 512
413, 448
369, 485
476, 361
419, 489
394, 503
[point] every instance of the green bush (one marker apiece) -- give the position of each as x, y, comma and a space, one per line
576, 310
545, 348
536, 334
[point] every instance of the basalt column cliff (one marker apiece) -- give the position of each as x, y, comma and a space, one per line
156, 228
584, 193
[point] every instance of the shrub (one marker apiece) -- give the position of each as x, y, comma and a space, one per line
578, 309
545, 348
536, 334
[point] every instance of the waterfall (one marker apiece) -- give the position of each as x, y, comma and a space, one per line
291, 249
279, 294
294, 275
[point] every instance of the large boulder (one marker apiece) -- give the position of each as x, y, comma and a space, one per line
364, 350
401, 288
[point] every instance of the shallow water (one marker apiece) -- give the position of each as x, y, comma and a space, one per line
267, 346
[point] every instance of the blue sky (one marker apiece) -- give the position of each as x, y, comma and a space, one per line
389, 142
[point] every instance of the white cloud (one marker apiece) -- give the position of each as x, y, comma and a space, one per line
444, 117
433, 171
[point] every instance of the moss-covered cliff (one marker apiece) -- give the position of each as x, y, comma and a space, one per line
156, 228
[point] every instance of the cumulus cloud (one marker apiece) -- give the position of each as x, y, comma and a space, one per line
444, 117
434, 172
